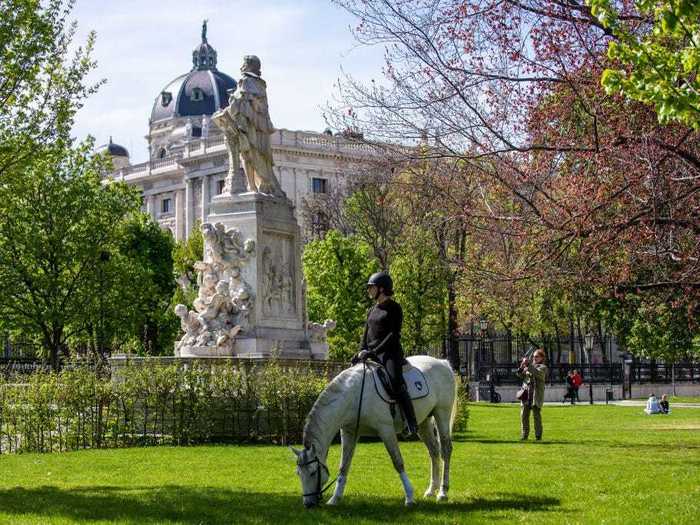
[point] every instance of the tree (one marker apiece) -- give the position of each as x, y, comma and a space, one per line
656, 54
420, 281
41, 84
58, 222
580, 187
336, 269
147, 250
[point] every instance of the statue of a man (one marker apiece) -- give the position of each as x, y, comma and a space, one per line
248, 109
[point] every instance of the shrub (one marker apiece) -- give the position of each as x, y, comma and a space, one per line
148, 405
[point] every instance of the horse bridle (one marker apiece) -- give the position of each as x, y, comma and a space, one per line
320, 491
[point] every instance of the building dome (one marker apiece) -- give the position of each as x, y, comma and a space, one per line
112, 149
118, 154
202, 91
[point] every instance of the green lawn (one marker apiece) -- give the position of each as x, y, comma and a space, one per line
597, 464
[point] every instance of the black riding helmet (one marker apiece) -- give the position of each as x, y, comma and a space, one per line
382, 280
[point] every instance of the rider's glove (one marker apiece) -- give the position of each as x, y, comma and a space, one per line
366, 354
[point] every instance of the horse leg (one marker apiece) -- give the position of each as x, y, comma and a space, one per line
388, 436
442, 418
426, 431
348, 440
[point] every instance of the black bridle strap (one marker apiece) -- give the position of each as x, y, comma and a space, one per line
320, 491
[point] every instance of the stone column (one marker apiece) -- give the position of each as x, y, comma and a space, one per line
189, 207
151, 206
206, 186
179, 215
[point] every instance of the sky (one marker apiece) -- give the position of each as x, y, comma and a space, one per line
305, 46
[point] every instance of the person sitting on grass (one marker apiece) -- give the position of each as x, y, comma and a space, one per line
653, 406
665, 408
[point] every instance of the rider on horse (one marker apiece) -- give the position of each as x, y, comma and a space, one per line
382, 341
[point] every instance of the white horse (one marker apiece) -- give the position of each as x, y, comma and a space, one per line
337, 409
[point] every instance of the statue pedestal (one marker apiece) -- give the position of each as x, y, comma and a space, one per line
276, 322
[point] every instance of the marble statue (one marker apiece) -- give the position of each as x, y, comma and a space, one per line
224, 301
318, 331
247, 126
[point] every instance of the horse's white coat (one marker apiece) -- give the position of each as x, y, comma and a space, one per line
337, 408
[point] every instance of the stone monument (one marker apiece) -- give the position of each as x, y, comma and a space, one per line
251, 301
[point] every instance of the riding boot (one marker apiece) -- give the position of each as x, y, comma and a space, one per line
407, 409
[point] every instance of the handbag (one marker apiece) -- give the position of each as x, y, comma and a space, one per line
522, 394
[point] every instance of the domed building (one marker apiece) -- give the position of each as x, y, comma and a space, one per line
118, 154
189, 161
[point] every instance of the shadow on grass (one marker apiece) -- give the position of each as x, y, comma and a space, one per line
185, 504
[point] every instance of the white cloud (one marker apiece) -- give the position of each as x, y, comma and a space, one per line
143, 45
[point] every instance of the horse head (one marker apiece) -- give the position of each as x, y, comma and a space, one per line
313, 474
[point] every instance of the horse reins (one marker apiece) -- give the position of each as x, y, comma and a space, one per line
320, 491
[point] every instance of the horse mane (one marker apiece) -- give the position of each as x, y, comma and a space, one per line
333, 393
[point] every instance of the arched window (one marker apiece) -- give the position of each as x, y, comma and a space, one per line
162, 153
197, 95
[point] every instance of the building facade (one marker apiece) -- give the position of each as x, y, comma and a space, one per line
188, 157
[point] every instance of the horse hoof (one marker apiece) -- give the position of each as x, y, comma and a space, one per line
429, 494
442, 497
333, 501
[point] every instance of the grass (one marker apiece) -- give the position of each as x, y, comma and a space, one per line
597, 464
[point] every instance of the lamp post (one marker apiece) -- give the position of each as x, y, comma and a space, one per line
588, 344
483, 326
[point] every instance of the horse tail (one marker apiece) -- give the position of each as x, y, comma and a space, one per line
455, 401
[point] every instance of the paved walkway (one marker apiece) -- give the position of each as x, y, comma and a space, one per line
643, 403
626, 403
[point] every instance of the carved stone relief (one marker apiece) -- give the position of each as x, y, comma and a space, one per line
277, 273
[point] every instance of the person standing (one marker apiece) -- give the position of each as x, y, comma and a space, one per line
382, 341
570, 393
533, 375
577, 381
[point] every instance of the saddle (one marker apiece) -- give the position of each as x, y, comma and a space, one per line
416, 384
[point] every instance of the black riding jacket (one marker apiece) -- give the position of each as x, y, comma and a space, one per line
384, 319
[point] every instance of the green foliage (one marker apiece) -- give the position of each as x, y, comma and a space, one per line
420, 281
42, 85
336, 269
147, 253
58, 225
188, 252
660, 63
79, 408
461, 421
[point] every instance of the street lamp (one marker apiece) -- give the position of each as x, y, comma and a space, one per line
483, 324
588, 343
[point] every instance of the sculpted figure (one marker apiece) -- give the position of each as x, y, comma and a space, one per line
189, 323
207, 285
220, 304
252, 127
318, 331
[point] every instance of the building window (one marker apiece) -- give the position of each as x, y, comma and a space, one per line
220, 186
165, 98
319, 185
165, 206
162, 153
197, 95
